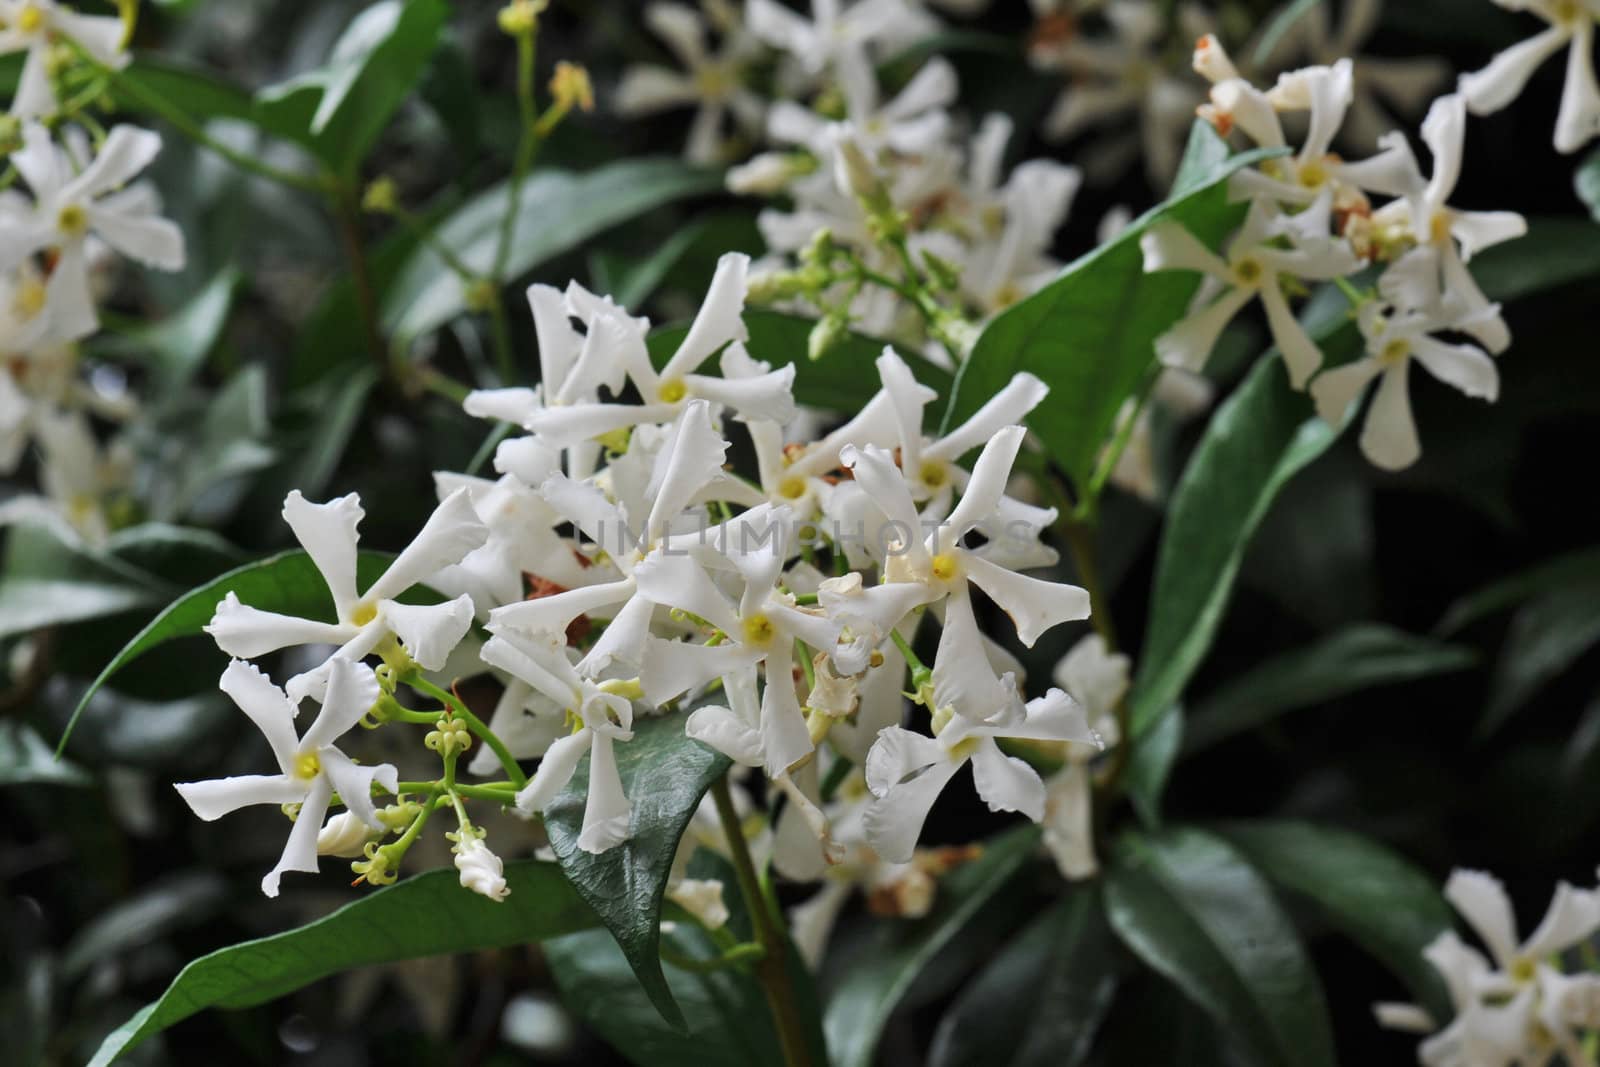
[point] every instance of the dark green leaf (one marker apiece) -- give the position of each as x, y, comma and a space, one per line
1090, 334
1389, 907
664, 774
1255, 443
288, 583
842, 380
176, 347
1586, 181
557, 212
181, 555
376, 63
147, 916
1581, 567
633, 284
427, 915
198, 94
860, 1004
1041, 999
1151, 761
50, 577
1547, 636
1188, 905
338, 404
26, 760
1554, 252
1355, 658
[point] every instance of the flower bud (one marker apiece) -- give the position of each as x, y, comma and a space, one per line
481, 870
345, 835
826, 335
520, 18
571, 87
380, 198
702, 898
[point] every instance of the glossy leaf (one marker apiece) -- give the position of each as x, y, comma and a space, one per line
1547, 636
860, 1004
1575, 568
176, 347
1041, 999
1090, 334
1194, 910
1348, 661
182, 555
1151, 762
152, 913
26, 760
50, 578
842, 380
557, 212
288, 583
664, 774
1389, 907
1257, 440
425, 915
375, 64
1553, 253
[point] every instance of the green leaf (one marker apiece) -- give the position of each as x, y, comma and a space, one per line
631, 283
181, 555
26, 760
1581, 567
1586, 182
50, 578
1188, 905
1553, 253
1547, 636
1363, 889
176, 347
426, 915
376, 63
149, 915
1040, 1001
288, 583
1352, 659
1280, 25
1090, 334
557, 212
337, 404
1257, 440
1151, 761
664, 774
842, 380
860, 1004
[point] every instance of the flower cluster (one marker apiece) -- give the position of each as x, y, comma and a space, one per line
619, 570
69, 206
1309, 216
1518, 1005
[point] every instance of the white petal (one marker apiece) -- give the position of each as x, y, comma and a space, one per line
127, 151
724, 731
1574, 914
558, 342
354, 783
553, 614
300, 851
101, 35
894, 821
623, 640
148, 239
691, 458
680, 582
719, 319
1482, 901
1389, 438
450, 533
528, 459
1466, 367
507, 405
220, 796
1094, 675
605, 816
1335, 390
352, 690
1056, 716
1069, 822
35, 95
897, 754
1035, 605
587, 508
314, 683
1006, 783
429, 631
329, 533
963, 680
1189, 343
1404, 1017
1477, 230
1579, 117
645, 90
540, 660
1169, 246
983, 491
1300, 354
266, 706
768, 396
247, 632
1010, 405
1496, 85
670, 668
785, 740
555, 771
875, 470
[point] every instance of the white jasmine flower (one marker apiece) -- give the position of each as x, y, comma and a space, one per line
328, 533
907, 771
311, 769
711, 81
1098, 679
1393, 340
600, 717
1253, 267
481, 870
34, 26
837, 31
68, 208
702, 898
1572, 23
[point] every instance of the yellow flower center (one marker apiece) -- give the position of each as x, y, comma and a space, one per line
1007, 294
30, 19
29, 299
713, 81
307, 765
1394, 352
363, 613
672, 392
1249, 271
945, 567
1439, 227
1313, 174
934, 474
1566, 12
964, 748
792, 488
758, 630
72, 220
1524, 970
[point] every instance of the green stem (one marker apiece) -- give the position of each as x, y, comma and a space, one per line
347, 213
475, 724
772, 968
1113, 453
744, 952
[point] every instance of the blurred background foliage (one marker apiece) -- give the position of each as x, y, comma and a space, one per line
1467, 588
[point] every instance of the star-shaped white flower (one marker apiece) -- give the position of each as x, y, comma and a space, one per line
310, 768
34, 26
1572, 23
